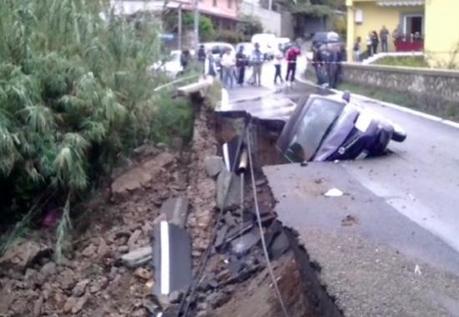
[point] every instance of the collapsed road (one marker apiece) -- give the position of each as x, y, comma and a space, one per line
384, 235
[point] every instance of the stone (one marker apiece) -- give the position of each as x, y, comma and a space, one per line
142, 175
20, 256
137, 257
48, 269
143, 273
123, 249
74, 304
228, 190
176, 211
133, 239
66, 279
213, 165
80, 288
103, 250
38, 306
89, 251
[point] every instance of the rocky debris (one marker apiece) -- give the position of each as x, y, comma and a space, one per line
137, 257
66, 279
48, 269
176, 210
143, 273
37, 307
132, 242
23, 255
142, 175
244, 243
90, 251
213, 164
75, 304
80, 288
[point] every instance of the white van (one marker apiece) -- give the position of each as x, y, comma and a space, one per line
267, 42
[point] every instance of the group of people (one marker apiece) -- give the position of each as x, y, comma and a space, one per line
233, 67
372, 43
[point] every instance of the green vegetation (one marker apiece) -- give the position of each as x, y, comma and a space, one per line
75, 95
207, 30
247, 26
406, 61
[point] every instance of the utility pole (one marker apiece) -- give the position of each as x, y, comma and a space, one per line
196, 24
179, 27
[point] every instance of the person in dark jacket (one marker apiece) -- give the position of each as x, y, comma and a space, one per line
185, 59
201, 54
241, 62
374, 42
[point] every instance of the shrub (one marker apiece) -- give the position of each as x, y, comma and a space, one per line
74, 95
230, 37
248, 26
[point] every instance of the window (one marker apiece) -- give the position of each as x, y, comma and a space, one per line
230, 2
413, 24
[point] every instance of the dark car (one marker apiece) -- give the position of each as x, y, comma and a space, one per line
328, 128
320, 38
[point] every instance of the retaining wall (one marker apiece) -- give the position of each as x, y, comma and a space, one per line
439, 84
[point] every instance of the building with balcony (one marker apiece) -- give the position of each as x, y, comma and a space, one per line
414, 25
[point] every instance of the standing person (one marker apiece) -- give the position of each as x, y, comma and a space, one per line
369, 46
210, 68
257, 60
227, 64
185, 59
241, 61
384, 37
202, 57
374, 42
356, 49
278, 57
292, 55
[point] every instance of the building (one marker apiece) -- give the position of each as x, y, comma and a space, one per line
415, 25
224, 13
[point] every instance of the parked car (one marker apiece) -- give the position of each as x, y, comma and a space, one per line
267, 44
171, 65
217, 49
320, 38
328, 128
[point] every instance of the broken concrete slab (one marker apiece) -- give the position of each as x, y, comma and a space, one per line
244, 243
171, 258
137, 257
213, 165
176, 210
228, 190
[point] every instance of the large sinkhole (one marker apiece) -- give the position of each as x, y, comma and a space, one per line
297, 277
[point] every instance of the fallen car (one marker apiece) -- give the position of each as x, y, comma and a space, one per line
329, 128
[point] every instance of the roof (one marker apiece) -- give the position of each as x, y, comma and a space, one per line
400, 3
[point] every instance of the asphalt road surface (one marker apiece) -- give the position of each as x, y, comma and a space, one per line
390, 247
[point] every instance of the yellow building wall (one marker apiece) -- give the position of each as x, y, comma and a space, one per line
442, 32
374, 17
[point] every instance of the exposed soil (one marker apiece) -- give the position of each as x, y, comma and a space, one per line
92, 281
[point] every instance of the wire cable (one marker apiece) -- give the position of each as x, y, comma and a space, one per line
260, 227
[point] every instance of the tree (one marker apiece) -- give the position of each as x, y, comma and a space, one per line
249, 25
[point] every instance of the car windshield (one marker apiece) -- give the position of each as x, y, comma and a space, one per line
312, 128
